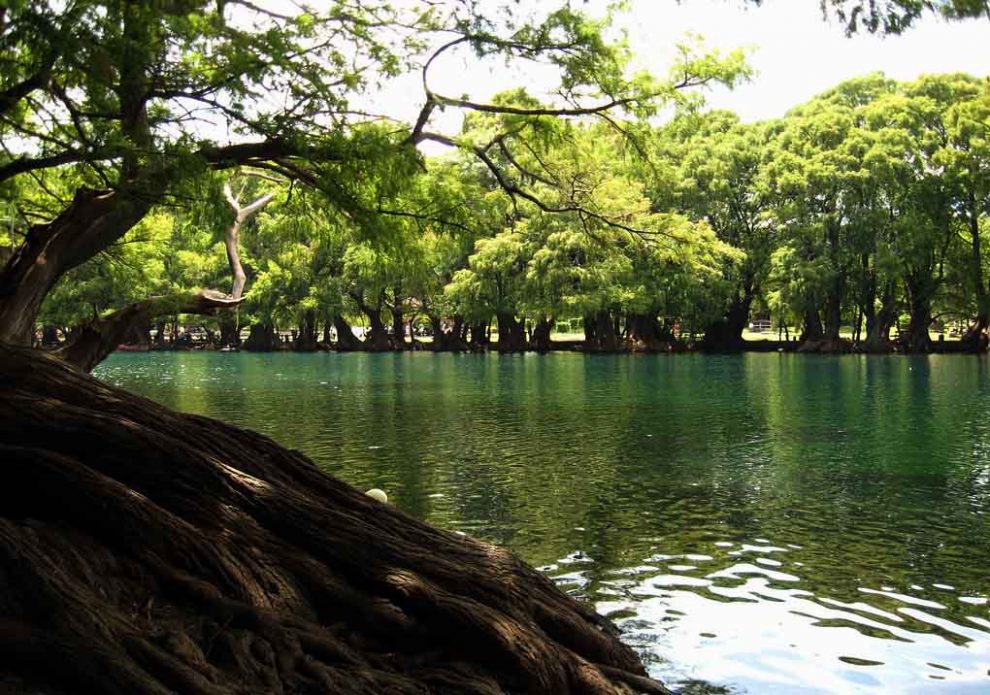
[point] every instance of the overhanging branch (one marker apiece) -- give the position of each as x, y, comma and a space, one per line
100, 337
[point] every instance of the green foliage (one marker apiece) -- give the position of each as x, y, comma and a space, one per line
872, 194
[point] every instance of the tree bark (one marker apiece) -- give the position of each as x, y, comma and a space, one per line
398, 320
647, 334
600, 334
511, 333
479, 335
398, 329
262, 338
833, 312
975, 339
813, 329
95, 340
306, 342
377, 338
160, 332
879, 323
725, 335
231, 238
147, 551
540, 340
916, 340
447, 341
93, 221
346, 340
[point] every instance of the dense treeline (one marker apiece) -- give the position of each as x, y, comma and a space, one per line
854, 220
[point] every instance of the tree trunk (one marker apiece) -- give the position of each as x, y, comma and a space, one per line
398, 329
93, 341
231, 238
377, 338
93, 221
147, 551
230, 331
479, 335
160, 333
879, 323
812, 330
975, 339
917, 340
646, 334
833, 313
262, 338
49, 336
306, 341
138, 334
447, 341
511, 333
540, 340
726, 334
398, 323
346, 340
600, 334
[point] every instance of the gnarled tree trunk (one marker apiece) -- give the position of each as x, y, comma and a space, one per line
447, 341
93, 221
346, 340
540, 339
152, 552
879, 322
93, 341
479, 335
511, 333
600, 334
725, 334
262, 338
306, 341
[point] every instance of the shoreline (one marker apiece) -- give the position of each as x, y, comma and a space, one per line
753, 346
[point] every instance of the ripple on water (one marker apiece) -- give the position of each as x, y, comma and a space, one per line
731, 625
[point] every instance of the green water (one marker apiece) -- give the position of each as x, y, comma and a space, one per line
778, 523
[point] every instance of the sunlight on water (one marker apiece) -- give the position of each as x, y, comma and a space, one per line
757, 523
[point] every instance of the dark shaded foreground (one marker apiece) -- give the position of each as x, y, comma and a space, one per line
147, 551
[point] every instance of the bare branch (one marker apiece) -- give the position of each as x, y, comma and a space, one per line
231, 237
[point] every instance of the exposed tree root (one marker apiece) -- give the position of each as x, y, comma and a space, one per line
148, 551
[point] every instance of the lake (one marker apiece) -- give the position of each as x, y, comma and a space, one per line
753, 523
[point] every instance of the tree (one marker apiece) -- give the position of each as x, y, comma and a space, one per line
720, 180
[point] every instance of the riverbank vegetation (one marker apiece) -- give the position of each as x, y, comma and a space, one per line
856, 221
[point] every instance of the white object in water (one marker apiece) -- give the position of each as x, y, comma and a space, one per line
376, 494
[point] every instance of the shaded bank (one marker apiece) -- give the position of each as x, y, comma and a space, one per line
145, 551
542, 343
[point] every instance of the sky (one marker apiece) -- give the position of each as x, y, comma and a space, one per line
795, 53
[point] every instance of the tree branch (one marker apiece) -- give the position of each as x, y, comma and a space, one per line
231, 237
100, 337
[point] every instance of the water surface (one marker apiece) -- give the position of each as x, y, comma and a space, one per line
755, 523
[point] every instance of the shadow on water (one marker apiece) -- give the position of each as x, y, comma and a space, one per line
751, 522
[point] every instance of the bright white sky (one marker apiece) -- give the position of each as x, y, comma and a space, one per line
795, 52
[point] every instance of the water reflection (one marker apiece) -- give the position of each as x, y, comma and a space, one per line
757, 522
